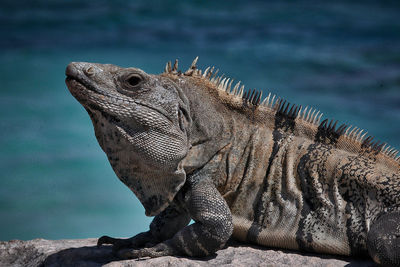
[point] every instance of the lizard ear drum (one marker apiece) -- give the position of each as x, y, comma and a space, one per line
184, 119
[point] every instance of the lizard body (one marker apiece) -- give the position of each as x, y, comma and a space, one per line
192, 146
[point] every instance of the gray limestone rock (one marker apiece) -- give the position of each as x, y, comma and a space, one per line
83, 252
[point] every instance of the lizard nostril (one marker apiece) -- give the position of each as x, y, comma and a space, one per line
89, 71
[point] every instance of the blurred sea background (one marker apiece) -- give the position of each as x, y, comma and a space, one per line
342, 57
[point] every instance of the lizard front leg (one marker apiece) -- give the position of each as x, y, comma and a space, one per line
212, 228
163, 227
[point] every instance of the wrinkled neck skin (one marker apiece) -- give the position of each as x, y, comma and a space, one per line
154, 182
212, 126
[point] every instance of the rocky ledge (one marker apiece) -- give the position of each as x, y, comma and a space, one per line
83, 252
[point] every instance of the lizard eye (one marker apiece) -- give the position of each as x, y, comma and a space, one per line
134, 80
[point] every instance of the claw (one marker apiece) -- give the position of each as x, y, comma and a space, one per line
157, 251
138, 253
116, 242
129, 253
106, 240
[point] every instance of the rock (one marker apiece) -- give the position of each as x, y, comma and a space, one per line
83, 252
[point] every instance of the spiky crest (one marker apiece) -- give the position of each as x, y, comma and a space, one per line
310, 115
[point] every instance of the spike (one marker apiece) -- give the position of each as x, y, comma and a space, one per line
313, 119
254, 97
193, 66
219, 79
226, 85
189, 72
286, 109
379, 148
206, 72
330, 125
367, 141
362, 136
281, 105
244, 96
215, 81
384, 147
247, 94
296, 111
334, 126
210, 73
352, 132
235, 89
272, 101
300, 111
323, 124
358, 135
292, 109
341, 129
308, 114
304, 113
250, 97
169, 66
228, 89
375, 146
266, 100
263, 103
241, 91
320, 116
277, 104
221, 84
258, 100
312, 115
347, 130
175, 65
356, 132
215, 73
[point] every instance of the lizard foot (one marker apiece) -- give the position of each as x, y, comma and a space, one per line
139, 241
106, 240
118, 243
159, 250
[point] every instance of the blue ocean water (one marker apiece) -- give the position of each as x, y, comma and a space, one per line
342, 57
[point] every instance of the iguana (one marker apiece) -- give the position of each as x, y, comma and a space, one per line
190, 145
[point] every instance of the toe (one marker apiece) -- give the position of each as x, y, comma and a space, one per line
106, 240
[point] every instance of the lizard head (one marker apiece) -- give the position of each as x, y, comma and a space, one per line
141, 122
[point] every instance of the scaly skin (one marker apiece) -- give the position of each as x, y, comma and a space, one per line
269, 173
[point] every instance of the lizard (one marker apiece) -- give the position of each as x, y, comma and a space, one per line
193, 146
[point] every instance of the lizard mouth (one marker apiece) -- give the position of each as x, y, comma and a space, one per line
78, 84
